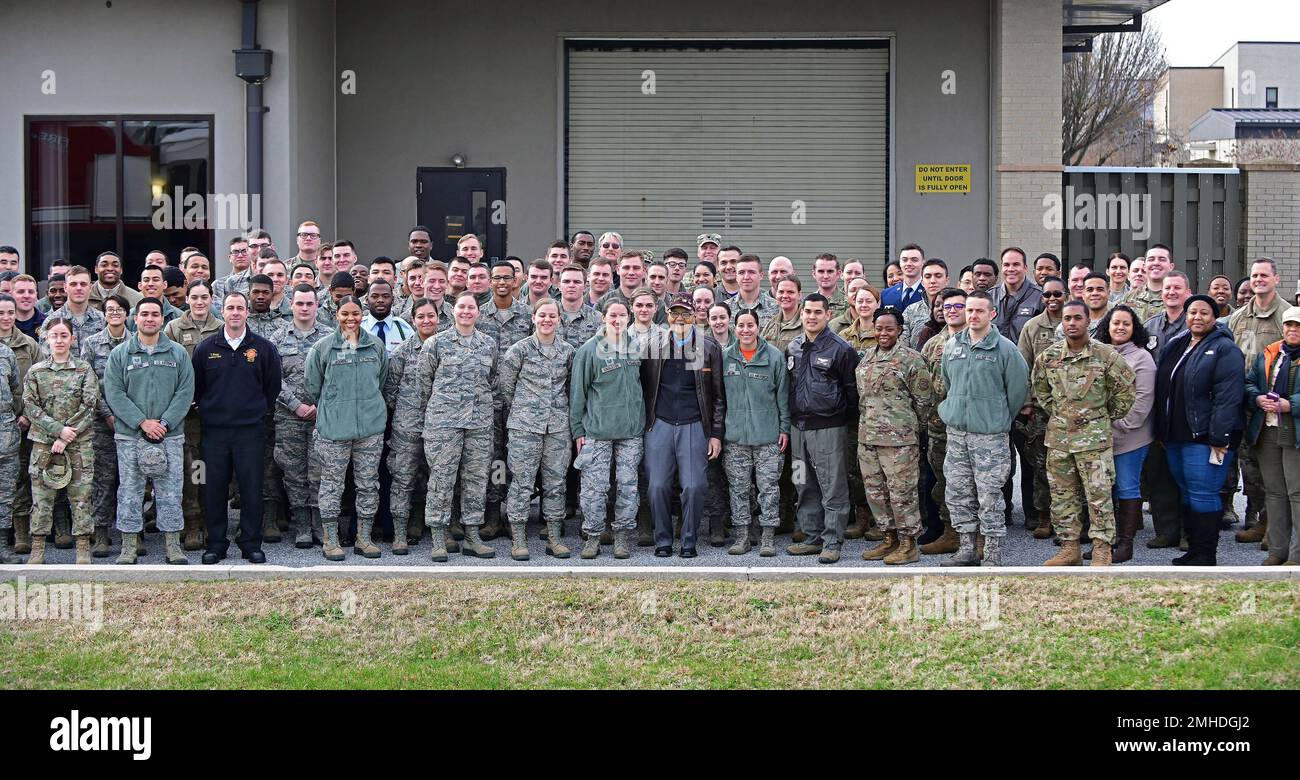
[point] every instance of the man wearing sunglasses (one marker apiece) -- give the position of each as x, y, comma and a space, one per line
1036, 336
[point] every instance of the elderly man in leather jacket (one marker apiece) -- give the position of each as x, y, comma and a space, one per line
685, 405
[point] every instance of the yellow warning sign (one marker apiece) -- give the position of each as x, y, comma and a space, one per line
937, 179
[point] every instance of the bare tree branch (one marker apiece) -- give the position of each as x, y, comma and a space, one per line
1106, 92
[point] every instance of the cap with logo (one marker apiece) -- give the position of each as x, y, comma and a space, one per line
680, 300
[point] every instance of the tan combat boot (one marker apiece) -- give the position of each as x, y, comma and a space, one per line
861, 522
330, 539
554, 540
1044, 529
130, 550
38, 550
1101, 552
473, 545
194, 540
518, 542
1069, 555
400, 546
363, 545
905, 552
83, 549
884, 548
440, 534
270, 529
1256, 532
946, 544
172, 544
102, 546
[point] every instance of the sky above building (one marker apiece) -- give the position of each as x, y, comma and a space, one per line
1196, 32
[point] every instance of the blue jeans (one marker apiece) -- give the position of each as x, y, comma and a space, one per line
1128, 473
1198, 480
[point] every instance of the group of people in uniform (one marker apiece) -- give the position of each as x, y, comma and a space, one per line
656, 400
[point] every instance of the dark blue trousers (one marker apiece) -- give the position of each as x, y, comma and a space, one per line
236, 452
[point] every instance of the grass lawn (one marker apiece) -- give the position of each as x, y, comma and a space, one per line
1044, 633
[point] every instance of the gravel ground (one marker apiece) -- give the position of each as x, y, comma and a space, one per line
1019, 549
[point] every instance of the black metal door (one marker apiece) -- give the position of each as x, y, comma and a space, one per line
452, 202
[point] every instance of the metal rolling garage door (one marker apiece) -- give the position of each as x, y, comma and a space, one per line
782, 150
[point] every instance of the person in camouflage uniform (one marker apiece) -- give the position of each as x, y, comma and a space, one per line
1037, 335
1084, 386
406, 464
84, 318
1145, 300
579, 321
1254, 326
26, 352
188, 330
953, 301
457, 387
95, 351
343, 374
534, 382
756, 431
60, 396
894, 400
266, 319
11, 407
606, 421
507, 321
779, 332
295, 417
860, 333
985, 381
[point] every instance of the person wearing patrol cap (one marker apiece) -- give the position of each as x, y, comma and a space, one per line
685, 413
1273, 409
60, 396
707, 246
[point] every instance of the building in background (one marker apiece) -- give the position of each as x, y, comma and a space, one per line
791, 129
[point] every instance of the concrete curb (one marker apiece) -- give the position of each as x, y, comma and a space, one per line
165, 573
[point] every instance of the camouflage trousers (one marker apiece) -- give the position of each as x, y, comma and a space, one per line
976, 466
22, 497
857, 489
935, 455
528, 452
624, 455
751, 467
409, 473
166, 490
103, 495
1076, 477
500, 469
1031, 435
296, 456
889, 477
272, 474
10, 456
717, 497
457, 452
192, 488
81, 457
334, 457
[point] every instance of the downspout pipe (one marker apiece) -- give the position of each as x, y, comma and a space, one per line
253, 65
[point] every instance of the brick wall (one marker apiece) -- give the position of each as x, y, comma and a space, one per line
1272, 219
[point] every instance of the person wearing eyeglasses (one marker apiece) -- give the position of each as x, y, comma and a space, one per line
675, 261
507, 321
1036, 336
103, 494
308, 240
952, 305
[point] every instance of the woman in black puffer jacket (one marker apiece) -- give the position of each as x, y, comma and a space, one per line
1200, 386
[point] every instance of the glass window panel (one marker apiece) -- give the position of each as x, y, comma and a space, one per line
73, 196
165, 157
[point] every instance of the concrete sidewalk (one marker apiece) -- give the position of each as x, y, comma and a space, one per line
222, 572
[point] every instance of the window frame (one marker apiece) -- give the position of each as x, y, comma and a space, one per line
42, 270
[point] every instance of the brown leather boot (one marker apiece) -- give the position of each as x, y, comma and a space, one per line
38, 550
1068, 555
194, 540
22, 535
1128, 519
944, 545
906, 552
1044, 528
861, 522
1256, 532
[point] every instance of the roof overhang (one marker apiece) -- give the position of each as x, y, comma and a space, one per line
1083, 20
